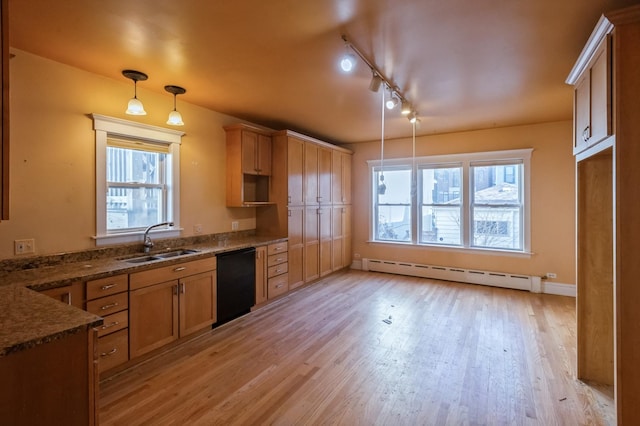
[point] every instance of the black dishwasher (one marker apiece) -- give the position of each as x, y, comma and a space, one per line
236, 283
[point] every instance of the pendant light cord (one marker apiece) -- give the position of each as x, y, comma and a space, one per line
382, 140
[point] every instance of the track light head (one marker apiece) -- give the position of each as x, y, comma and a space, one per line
376, 81
348, 62
413, 117
392, 102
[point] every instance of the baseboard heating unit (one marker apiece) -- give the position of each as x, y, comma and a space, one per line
473, 276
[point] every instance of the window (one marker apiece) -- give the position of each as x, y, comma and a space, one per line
469, 201
137, 179
392, 195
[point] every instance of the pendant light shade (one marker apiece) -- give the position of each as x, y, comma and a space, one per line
175, 118
135, 107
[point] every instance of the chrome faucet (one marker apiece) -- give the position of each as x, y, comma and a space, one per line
148, 244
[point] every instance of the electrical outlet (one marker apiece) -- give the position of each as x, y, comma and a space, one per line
551, 275
27, 246
197, 229
234, 225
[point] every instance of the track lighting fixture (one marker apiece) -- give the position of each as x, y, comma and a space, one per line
347, 64
393, 101
375, 83
175, 118
413, 117
135, 106
406, 108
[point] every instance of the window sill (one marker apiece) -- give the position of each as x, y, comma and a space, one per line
132, 237
467, 250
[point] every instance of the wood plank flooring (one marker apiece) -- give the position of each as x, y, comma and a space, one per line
448, 353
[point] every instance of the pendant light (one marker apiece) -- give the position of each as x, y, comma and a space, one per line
135, 107
175, 118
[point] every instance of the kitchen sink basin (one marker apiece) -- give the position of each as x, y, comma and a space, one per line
175, 253
142, 259
160, 256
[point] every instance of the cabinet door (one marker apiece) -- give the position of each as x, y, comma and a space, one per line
153, 317
324, 176
311, 244
70, 294
347, 235
295, 165
249, 149
326, 244
310, 173
600, 125
261, 275
296, 247
337, 237
197, 302
263, 155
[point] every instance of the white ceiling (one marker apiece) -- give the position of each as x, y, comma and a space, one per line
464, 64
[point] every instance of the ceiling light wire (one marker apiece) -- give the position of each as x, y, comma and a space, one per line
382, 187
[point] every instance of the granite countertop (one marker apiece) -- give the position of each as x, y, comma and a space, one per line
29, 318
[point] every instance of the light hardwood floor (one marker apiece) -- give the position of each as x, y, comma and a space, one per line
450, 354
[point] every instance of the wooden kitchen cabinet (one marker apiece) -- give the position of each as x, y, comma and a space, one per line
197, 302
277, 269
607, 205
72, 294
295, 167
261, 274
109, 298
341, 177
153, 317
248, 159
296, 246
592, 100
170, 302
326, 244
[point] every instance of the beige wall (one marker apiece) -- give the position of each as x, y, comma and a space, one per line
552, 199
52, 169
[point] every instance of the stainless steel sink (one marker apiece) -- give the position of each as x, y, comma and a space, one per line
175, 253
141, 259
160, 256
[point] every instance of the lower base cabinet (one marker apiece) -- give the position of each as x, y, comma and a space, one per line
162, 310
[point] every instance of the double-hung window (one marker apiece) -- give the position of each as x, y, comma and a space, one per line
469, 201
137, 179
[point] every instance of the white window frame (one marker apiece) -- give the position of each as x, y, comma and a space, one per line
106, 127
521, 155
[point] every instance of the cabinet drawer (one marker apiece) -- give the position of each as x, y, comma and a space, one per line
276, 248
276, 259
114, 322
278, 285
277, 270
109, 305
107, 286
113, 350
168, 273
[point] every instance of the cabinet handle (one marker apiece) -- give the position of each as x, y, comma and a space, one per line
67, 298
277, 248
111, 352
279, 285
110, 305
108, 286
289, 213
180, 268
279, 259
183, 288
289, 199
104, 327
175, 289
319, 199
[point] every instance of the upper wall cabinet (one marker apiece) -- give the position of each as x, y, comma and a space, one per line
248, 166
592, 94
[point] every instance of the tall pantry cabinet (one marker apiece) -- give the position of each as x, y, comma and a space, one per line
314, 211
607, 150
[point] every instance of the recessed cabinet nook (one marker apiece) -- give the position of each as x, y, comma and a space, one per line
606, 78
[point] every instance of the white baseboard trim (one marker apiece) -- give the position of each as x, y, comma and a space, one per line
559, 289
530, 283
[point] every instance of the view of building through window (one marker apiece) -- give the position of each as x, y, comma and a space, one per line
136, 188
490, 215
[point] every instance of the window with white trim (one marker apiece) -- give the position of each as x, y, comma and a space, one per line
468, 201
137, 179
